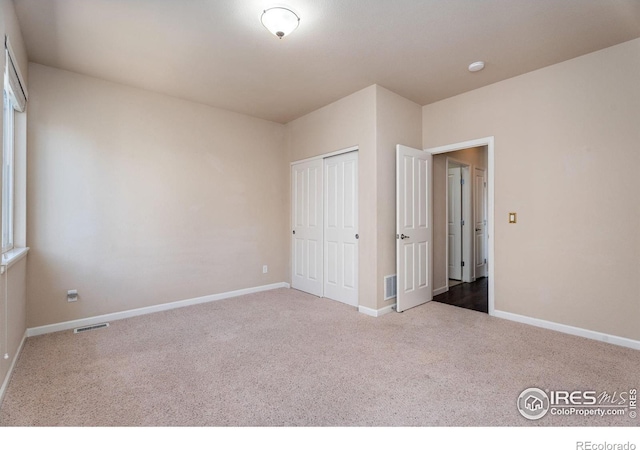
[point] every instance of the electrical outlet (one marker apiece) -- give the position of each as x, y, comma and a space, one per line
265, 269
72, 295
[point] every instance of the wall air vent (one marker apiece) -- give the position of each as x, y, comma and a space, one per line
90, 328
390, 287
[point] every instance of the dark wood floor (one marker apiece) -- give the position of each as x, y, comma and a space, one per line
468, 295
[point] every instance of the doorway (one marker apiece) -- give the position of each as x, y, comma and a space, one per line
477, 291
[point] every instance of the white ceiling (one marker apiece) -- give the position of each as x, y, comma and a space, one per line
217, 52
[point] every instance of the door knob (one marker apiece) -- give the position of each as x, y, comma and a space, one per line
478, 229
402, 236
294, 231
357, 236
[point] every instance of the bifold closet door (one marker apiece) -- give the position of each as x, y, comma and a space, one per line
324, 245
307, 227
341, 228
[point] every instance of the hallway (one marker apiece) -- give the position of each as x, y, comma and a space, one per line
473, 296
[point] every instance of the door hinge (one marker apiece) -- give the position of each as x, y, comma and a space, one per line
485, 260
462, 264
485, 184
461, 180
462, 223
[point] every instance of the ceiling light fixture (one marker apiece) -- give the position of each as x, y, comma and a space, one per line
476, 66
280, 21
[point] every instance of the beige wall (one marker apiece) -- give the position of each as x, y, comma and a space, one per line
566, 160
138, 199
17, 308
15, 319
398, 121
473, 157
348, 122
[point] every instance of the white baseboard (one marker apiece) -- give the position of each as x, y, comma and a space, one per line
441, 290
376, 312
149, 309
568, 329
5, 383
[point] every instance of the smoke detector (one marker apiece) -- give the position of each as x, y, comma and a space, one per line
476, 66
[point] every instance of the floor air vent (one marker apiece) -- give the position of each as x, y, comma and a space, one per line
390, 287
90, 327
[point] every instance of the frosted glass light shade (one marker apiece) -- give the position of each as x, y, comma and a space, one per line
280, 21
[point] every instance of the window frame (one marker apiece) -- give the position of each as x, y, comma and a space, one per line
8, 168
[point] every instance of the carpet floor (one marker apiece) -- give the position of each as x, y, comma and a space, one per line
285, 358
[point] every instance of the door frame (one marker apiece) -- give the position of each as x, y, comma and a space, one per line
325, 156
467, 249
489, 143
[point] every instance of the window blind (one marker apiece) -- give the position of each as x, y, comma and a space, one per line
17, 87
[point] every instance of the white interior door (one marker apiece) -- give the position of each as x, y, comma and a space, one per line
414, 227
467, 229
341, 228
307, 229
454, 225
480, 221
